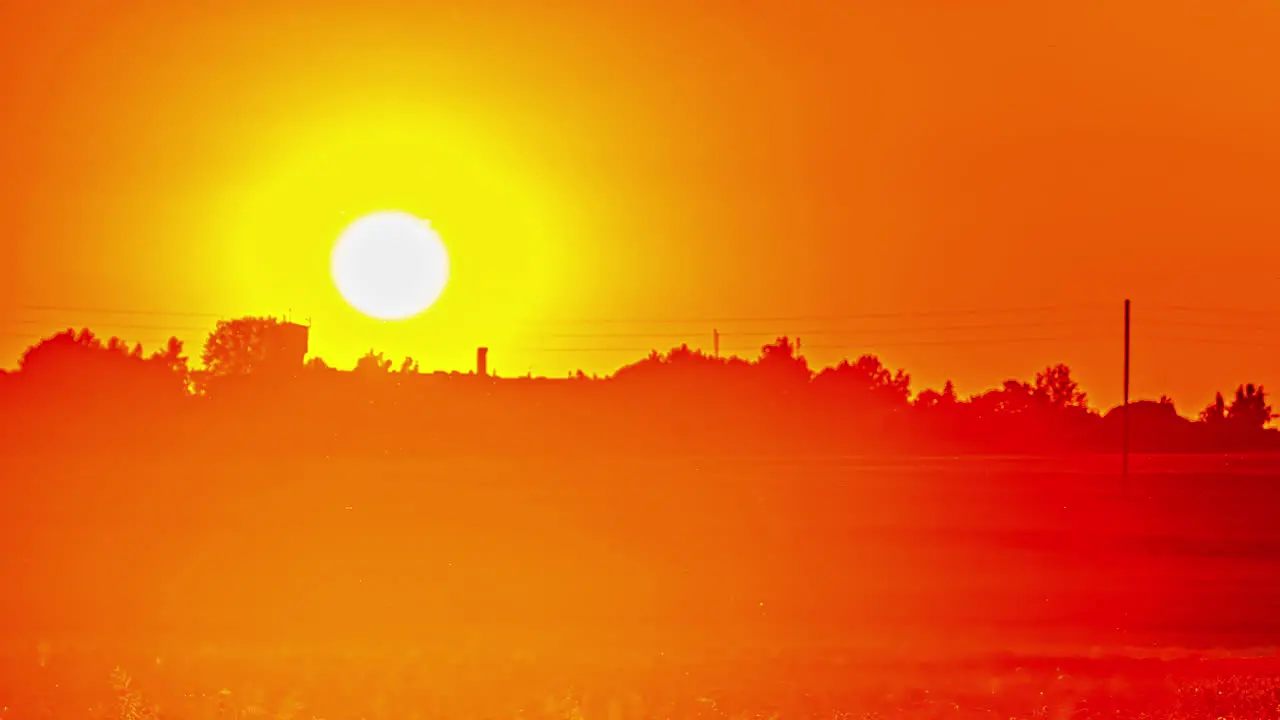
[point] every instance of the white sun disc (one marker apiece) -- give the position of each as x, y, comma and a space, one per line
390, 265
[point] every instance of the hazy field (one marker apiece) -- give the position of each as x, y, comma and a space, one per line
610, 583
284, 683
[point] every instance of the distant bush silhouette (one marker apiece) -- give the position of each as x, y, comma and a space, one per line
76, 368
865, 384
373, 363
931, 400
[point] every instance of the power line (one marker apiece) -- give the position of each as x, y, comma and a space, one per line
1217, 325
34, 338
842, 317
1212, 341
872, 345
689, 334
860, 347
810, 332
963, 312
952, 341
108, 311
117, 326
828, 318
1217, 310
165, 331
652, 334
672, 339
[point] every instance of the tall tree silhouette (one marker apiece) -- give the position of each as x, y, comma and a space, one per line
172, 358
238, 347
1215, 413
1249, 409
1055, 386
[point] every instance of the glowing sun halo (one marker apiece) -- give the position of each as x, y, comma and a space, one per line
390, 265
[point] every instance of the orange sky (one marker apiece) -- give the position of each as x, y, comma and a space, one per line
690, 165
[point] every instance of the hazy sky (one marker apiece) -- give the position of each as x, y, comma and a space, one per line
684, 166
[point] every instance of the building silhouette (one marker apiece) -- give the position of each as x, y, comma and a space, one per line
285, 348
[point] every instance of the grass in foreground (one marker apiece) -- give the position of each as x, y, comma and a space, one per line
299, 687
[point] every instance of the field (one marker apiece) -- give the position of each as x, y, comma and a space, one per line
282, 683
699, 587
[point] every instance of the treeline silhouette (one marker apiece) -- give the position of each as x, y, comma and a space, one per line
74, 391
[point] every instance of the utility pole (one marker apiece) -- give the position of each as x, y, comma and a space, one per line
715, 335
1124, 443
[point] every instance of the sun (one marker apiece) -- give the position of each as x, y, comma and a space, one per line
390, 265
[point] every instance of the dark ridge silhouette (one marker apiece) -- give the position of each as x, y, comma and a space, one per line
254, 380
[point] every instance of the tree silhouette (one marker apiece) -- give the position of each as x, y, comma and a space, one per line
782, 363
1215, 413
78, 365
172, 358
1055, 386
71, 349
1249, 409
683, 397
238, 347
1013, 397
930, 399
865, 383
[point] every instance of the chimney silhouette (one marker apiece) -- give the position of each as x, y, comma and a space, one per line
482, 361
